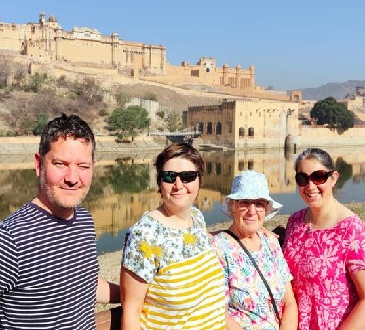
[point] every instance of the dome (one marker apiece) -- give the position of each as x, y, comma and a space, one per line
52, 19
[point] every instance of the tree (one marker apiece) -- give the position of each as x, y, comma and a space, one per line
41, 122
35, 82
127, 122
173, 120
122, 99
332, 113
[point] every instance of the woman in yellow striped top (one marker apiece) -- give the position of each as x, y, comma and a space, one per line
170, 277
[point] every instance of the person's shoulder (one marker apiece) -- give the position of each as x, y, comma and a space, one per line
196, 211
272, 240
353, 221
217, 237
22, 214
145, 221
297, 215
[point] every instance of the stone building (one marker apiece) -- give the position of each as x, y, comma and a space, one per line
248, 123
47, 41
207, 71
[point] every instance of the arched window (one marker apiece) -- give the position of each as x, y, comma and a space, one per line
218, 168
218, 129
241, 165
241, 132
209, 128
251, 131
199, 127
209, 168
250, 164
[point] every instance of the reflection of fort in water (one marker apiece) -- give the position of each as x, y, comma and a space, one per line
117, 211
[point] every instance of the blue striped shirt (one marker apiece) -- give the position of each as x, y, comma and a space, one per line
48, 270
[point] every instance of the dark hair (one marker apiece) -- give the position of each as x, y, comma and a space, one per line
319, 155
65, 126
179, 150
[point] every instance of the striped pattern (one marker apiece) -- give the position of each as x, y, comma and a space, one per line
49, 269
186, 295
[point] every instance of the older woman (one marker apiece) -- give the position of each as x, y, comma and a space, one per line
171, 278
325, 250
258, 289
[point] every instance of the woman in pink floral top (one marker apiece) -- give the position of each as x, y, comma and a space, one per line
325, 250
249, 305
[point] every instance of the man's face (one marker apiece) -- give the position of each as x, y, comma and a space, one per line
65, 175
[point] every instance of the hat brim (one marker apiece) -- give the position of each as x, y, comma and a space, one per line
272, 208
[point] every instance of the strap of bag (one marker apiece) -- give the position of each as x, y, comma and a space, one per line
259, 271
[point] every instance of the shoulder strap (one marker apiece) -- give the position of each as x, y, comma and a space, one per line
258, 270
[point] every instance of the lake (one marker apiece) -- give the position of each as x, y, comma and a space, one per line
124, 186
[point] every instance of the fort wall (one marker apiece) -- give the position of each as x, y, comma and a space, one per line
323, 136
45, 41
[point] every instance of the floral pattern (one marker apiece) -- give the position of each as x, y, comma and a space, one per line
321, 262
150, 246
247, 298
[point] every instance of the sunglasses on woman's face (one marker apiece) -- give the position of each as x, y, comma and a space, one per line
185, 176
317, 177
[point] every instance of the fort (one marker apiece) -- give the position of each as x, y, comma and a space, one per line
46, 41
247, 116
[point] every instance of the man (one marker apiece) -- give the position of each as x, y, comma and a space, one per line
49, 268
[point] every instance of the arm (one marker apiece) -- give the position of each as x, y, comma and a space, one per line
9, 270
107, 292
133, 291
289, 318
356, 318
231, 323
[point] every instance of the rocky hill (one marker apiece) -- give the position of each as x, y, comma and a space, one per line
337, 90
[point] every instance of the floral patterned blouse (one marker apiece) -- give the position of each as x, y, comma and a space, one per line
150, 246
321, 262
247, 298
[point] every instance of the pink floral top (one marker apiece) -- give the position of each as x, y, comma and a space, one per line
321, 262
248, 301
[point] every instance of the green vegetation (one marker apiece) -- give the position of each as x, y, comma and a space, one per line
122, 99
46, 97
35, 83
128, 122
150, 97
173, 120
332, 113
41, 122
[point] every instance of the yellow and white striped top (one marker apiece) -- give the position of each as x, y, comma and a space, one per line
186, 281
187, 295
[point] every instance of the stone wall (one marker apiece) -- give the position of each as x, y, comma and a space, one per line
322, 136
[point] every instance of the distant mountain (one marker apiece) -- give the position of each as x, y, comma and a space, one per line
337, 90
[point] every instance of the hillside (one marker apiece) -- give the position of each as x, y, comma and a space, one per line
337, 90
174, 97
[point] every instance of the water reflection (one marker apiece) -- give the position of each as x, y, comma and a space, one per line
124, 187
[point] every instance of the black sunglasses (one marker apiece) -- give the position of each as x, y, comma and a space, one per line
317, 177
185, 176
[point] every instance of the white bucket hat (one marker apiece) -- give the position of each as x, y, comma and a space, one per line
251, 185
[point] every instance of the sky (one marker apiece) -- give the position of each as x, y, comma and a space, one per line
292, 44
